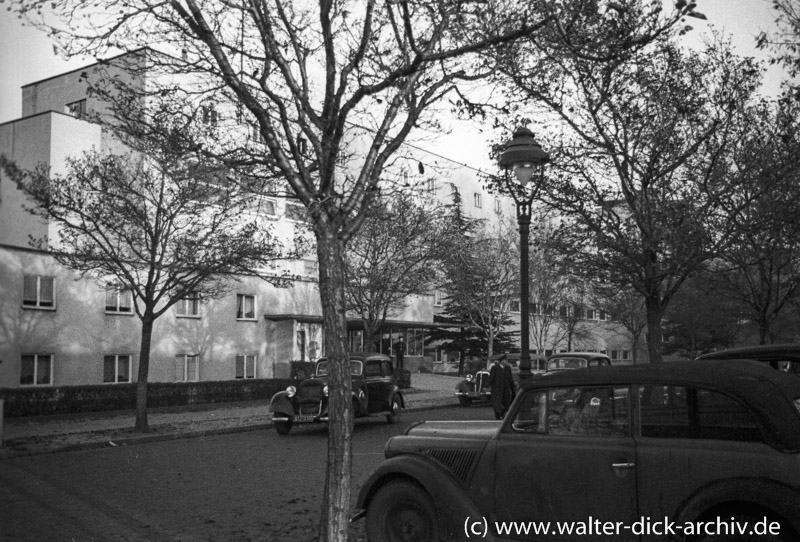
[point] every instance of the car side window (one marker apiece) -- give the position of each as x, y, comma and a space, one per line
531, 416
594, 411
373, 368
680, 412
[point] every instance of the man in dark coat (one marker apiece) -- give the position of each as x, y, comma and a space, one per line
502, 385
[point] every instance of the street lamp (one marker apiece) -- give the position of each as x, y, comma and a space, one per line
525, 158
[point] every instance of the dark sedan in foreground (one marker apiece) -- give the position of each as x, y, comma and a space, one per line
680, 451
374, 387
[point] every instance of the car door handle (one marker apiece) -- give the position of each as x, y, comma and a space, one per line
623, 465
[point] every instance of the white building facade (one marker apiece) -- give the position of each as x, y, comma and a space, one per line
58, 328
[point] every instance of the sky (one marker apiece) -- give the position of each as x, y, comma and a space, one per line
26, 56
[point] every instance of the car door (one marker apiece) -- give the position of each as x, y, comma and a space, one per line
566, 455
689, 439
377, 381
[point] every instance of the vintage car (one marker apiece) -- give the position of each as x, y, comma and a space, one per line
375, 391
576, 360
474, 388
645, 450
783, 357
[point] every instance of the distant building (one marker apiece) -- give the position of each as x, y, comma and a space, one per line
58, 328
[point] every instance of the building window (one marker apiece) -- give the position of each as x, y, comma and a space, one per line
245, 307
76, 109
36, 370
119, 300
187, 368
117, 368
209, 115
311, 268
497, 206
189, 306
296, 212
438, 298
478, 198
38, 292
245, 366
269, 207
431, 185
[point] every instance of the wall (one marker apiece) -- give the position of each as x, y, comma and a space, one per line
79, 332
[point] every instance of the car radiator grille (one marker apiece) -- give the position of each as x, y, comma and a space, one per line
458, 461
309, 408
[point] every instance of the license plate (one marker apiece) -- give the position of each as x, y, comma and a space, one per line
304, 418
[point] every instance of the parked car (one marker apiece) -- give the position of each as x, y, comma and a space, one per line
783, 357
477, 388
576, 360
474, 388
715, 443
375, 391
538, 363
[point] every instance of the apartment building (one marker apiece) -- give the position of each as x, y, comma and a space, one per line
60, 328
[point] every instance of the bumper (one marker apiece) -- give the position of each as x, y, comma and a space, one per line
473, 394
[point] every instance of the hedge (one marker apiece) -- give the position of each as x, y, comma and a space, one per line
21, 402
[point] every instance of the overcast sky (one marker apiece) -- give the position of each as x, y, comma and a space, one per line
27, 56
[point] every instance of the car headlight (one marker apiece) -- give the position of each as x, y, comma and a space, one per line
325, 390
290, 391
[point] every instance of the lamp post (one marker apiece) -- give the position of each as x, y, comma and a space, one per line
523, 156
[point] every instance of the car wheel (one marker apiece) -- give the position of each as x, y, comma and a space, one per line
749, 521
401, 512
394, 413
283, 428
465, 401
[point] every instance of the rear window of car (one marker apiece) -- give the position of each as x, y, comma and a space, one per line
696, 413
355, 368
566, 363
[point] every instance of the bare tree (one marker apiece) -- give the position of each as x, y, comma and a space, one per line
625, 307
761, 266
392, 257
641, 165
157, 223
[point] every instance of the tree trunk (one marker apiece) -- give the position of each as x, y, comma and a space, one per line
144, 370
655, 314
336, 497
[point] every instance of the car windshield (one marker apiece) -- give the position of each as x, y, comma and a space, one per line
355, 368
566, 363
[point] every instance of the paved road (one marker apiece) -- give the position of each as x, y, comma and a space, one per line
253, 486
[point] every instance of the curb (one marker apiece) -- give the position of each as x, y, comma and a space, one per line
6, 452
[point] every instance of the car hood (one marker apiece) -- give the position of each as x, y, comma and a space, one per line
456, 446
424, 436
465, 430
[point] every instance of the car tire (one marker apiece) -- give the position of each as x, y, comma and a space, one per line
740, 519
401, 512
394, 412
465, 401
283, 428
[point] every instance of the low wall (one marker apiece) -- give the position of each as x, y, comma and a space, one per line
38, 401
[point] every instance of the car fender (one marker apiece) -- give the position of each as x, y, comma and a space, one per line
281, 403
395, 392
454, 507
360, 401
465, 386
761, 492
